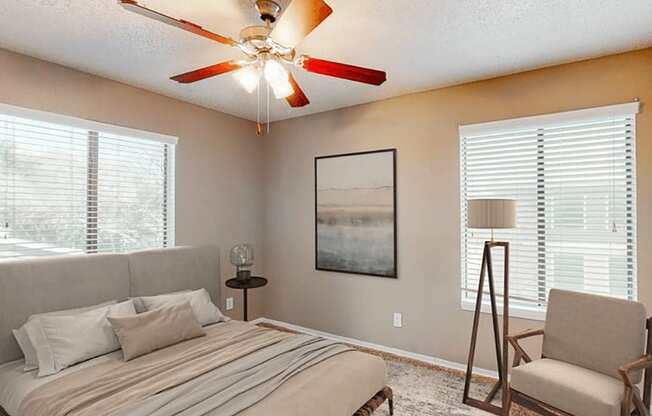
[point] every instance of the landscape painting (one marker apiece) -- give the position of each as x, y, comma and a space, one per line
355, 213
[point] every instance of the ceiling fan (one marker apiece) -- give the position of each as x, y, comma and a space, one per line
269, 48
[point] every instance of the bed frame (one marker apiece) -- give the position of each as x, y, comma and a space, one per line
29, 287
366, 410
376, 401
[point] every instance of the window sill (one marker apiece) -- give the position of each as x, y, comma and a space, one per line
533, 314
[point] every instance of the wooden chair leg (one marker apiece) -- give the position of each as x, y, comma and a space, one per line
647, 387
647, 378
626, 408
508, 403
638, 403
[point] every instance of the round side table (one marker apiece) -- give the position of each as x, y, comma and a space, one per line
244, 284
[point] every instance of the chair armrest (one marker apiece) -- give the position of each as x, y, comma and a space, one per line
636, 365
520, 353
631, 394
526, 334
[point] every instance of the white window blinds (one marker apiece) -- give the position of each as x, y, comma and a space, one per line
70, 186
574, 178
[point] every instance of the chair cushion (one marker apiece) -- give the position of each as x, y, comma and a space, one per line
570, 388
595, 332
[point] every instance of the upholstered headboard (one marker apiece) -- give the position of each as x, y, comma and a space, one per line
152, 272
54, 283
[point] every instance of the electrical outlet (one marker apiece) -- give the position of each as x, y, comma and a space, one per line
398, 320
229, 304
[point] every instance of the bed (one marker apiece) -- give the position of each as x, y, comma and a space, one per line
341, 382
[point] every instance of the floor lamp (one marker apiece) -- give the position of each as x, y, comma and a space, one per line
491, 214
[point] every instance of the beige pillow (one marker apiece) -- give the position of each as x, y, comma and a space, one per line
200, 301
159, 328
140, 306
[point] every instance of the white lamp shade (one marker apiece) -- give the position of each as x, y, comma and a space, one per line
492, 213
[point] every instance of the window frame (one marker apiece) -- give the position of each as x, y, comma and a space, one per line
537, 122
94, 130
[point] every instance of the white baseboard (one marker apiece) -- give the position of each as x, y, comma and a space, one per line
390, 350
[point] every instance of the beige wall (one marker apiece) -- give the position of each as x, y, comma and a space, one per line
230, 188
423, 127
219, 192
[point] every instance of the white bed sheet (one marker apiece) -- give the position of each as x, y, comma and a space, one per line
16, 384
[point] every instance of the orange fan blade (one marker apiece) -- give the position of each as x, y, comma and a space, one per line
209, 71
133, 6
298, 99
299, 19
350, 72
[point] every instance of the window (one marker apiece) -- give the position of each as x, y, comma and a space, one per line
574, 178
71, 186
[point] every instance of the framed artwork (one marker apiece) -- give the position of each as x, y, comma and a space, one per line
355, 213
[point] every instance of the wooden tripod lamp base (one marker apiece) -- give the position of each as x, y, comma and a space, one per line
491, 214
500, 343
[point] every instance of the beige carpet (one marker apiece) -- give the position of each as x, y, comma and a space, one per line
422, 389
425, 390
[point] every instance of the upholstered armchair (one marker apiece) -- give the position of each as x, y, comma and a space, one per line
594, 353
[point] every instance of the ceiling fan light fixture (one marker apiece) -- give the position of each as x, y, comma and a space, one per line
275, 74
282, 89
248, 77
278, 78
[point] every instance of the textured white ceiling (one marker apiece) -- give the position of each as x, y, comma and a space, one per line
422, 44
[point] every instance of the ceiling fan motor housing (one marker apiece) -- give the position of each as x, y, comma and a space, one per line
268, 9
250, 33
253, 40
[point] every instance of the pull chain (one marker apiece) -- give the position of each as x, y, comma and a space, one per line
268, 24
259, 129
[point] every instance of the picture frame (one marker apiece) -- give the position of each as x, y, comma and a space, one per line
356, 213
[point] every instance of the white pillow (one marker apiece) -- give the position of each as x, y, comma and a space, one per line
200, 301
25, 344
31, 362
63, 340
